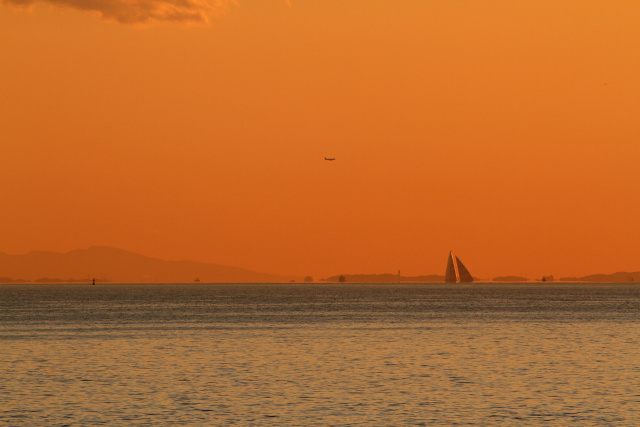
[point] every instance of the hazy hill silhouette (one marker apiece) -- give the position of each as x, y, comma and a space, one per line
117, 265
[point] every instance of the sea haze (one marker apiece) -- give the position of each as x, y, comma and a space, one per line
320, 354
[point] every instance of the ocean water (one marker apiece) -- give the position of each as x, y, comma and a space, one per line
320, 355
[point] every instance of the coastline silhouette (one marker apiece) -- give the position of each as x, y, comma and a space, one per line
122, 266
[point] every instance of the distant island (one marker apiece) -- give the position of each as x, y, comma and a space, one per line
619, 277
510, 279
12, 280
107, 264
383, 278
111, 265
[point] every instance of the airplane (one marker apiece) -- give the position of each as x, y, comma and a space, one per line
329, 158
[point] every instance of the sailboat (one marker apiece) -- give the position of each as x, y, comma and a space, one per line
456, 271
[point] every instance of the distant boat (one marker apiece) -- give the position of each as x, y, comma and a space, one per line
330, 158
456, 271
196, 280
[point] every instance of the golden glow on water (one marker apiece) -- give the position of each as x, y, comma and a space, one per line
401, 368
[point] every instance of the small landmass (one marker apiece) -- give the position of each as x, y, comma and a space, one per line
510, 279
11, 280
619, 277
56, 280
383, 278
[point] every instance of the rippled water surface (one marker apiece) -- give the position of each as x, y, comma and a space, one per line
320, 354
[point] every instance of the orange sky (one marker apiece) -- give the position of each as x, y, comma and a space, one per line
506, 131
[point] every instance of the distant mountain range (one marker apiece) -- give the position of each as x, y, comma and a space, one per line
120, 266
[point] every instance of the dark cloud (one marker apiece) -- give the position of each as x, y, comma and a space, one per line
141, 11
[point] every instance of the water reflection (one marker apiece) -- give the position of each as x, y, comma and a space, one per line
320, 355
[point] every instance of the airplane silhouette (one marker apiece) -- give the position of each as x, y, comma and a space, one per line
329, 158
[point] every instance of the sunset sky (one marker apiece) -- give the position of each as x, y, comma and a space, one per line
508, 131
